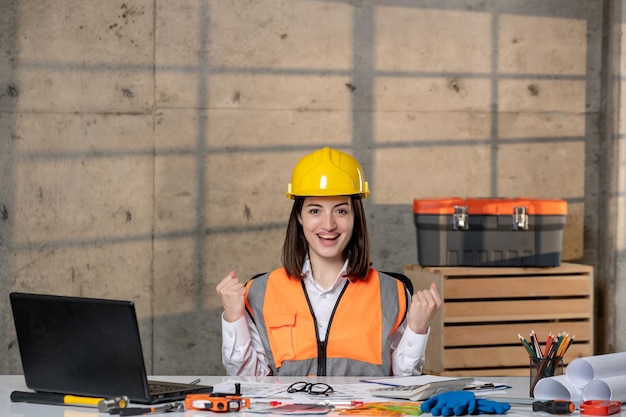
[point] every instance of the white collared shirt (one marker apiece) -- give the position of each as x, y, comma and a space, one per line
323, 301
243, 353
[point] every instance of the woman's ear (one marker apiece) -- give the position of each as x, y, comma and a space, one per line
300, 219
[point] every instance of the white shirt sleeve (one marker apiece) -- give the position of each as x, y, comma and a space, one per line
242, 350
407, 351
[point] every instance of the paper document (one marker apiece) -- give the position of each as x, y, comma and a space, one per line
293, 409
253, 389
483, 388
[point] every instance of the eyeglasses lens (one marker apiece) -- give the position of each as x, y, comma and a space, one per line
314, 389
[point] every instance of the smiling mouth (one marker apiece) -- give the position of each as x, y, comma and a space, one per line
328, 237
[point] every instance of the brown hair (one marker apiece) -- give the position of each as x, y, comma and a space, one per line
296, 247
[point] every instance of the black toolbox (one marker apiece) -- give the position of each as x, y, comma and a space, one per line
522, 231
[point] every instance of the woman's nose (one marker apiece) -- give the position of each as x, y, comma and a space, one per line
329, 221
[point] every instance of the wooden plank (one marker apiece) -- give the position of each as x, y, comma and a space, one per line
434, 347
538, 298
500, 334
516, 310
511, 287
501, 356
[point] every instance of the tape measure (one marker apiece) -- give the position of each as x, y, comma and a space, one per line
219, 404
600, 407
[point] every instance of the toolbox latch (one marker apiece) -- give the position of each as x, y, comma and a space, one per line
520, 218
460, 218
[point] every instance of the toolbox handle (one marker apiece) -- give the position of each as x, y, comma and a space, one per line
520, 218
459, 221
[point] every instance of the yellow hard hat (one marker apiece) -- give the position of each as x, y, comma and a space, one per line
327, 172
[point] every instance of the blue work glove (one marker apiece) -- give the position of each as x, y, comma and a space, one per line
491, 407
452, 402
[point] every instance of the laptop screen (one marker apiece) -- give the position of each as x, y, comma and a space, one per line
80, 346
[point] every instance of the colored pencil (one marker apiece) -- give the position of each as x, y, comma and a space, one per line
530, 350
548, 343
535, 341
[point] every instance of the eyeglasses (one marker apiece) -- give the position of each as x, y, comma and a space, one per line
317, 388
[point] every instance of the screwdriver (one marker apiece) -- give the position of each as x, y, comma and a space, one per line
554, 406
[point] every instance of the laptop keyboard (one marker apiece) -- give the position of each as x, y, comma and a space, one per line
156, 388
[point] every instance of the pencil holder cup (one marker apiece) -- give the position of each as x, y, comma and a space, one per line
543, 368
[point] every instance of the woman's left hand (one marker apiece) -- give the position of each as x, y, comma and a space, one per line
424, 305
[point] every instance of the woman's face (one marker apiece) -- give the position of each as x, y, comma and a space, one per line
327, 223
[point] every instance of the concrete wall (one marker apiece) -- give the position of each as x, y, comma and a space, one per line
617, 293
147, 144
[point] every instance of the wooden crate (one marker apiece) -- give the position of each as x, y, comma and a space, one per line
485, 308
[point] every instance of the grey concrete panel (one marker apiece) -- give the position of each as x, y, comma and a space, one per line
145, 146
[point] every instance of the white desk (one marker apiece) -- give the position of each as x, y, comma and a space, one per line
9, 383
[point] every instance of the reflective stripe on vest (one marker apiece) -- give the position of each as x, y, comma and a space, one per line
360, 328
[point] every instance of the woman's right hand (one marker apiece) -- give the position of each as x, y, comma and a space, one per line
231, 292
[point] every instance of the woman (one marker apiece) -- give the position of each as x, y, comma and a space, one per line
326, 311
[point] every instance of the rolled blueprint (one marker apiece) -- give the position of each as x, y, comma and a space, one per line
557, 387
609, 388
581, 371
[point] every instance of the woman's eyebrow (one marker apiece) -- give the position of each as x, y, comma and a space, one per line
346, 203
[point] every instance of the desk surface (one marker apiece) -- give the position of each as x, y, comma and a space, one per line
9, 383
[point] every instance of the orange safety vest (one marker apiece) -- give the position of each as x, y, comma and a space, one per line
358, 341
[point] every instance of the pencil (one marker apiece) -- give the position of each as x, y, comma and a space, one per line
567, 344
533, 338
548, 343
559, 340
527, 346
563, 344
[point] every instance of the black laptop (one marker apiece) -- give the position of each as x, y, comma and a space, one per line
87, 346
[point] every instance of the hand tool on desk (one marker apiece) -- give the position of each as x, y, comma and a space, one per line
107, 404
513, 400
218, 402
600, 407
103, 404
137, 411
555, 406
